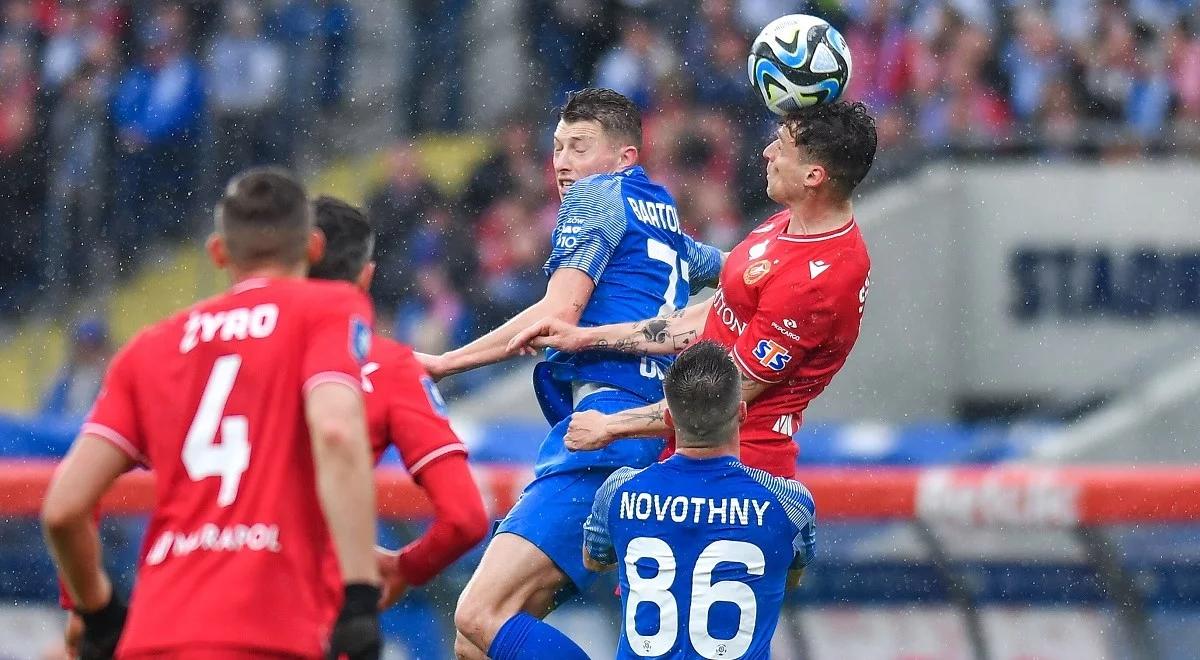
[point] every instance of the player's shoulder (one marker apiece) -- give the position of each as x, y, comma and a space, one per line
618, 480
792, 495
596, 189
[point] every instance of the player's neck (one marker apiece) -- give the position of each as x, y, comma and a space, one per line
817, 216
703, 453
239, 275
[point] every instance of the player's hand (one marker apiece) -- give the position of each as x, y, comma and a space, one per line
73, 634
588, 431
549, 332
394, 584
435, 365
356, 633
102, 630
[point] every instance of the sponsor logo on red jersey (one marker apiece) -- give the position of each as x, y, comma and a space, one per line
772, 355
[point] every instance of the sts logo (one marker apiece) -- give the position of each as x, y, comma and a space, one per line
772, 355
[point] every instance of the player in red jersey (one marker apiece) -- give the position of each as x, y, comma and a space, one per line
248, 408
405, 409
790, 301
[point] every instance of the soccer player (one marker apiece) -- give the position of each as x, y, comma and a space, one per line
248, 408
619, 254
790, 301
701, 529
405, 409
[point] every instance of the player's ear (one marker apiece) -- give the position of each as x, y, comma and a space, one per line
316, 246
743, 412
218, 251
628, 157
815, 176
667, 419
365, 277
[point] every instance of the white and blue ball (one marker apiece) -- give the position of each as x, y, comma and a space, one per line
798, 61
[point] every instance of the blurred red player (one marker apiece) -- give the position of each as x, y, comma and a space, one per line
248, 408
405, 409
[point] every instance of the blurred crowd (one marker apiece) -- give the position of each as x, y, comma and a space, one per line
119, 118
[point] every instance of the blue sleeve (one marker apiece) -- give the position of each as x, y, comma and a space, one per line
597, 536
704, 265
591, 223
798, 504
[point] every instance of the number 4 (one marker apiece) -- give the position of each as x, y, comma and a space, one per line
203, 456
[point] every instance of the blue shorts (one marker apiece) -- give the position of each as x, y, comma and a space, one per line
553, 507
550, 515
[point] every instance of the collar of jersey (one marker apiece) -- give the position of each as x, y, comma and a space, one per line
716, 461
809, 238
634, 171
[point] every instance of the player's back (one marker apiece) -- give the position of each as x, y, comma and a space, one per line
236, 542
704, 548
405, 408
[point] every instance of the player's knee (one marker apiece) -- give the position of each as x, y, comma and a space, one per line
465, 650
474, 616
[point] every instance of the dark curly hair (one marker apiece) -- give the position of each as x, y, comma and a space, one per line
841, 136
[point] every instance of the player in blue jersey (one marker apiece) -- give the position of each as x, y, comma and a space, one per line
705, 545
618, 255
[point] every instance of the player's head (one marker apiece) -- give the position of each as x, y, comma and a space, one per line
820, 150
264, 221
349, 243
704, 397
598, 131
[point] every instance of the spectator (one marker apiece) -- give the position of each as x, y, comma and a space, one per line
337, 22
397, 209
159, 115
78, 382
1184, 53
568, 38
515, 163
1032, 62
636, 63
79, 137
20, 193
436, 318
434, 94
246, 76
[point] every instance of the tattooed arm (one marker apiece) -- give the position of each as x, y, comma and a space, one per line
664, 335
591, 430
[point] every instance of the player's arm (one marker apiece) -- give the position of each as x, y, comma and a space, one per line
590, 225
68, 517
567, 294
591, 430
663, 335
345, 483
460, 522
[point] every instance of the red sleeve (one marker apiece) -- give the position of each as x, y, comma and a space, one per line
114, 415
417, 418
792, 319
339, 339
460, 521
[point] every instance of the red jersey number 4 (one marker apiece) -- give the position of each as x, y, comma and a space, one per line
203, 455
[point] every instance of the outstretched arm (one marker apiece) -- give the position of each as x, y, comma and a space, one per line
663, 335
591, 430
567, 294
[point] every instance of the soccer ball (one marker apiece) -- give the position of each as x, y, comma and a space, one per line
798, 61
